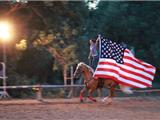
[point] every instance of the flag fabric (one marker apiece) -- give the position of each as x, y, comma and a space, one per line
119, 64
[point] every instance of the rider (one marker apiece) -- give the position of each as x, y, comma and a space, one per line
93, 54
94, 57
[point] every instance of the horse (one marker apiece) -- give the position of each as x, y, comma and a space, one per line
91, 84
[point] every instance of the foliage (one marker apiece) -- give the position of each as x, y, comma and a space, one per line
54, 34
36, 63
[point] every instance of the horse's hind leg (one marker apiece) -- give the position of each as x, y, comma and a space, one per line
108, 99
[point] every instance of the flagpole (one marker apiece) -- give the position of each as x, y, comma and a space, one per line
99, 39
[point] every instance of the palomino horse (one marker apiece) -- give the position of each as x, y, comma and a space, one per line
92, 84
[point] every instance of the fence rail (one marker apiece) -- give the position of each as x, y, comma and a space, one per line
41, 86
71, 86
38, 89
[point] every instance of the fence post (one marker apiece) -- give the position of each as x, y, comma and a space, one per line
71, 74
39, 94
38, 90
65, 74
4, 93
72, 83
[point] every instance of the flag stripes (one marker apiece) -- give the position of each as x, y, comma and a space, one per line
132, 72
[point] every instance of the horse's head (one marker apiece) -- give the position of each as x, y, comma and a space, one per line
81, 68
78, 70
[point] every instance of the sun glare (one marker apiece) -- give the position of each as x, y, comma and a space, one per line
5, 31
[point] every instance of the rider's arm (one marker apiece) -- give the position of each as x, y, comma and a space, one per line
97, 41
89, 56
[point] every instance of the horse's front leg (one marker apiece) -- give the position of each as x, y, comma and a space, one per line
81, 94
92, 87
90, 97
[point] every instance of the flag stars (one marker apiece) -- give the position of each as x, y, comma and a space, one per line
112, 50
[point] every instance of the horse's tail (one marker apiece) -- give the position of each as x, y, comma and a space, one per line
126, 89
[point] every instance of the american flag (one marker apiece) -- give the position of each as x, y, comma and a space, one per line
119, 64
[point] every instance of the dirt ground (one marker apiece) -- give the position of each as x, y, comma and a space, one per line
125, 108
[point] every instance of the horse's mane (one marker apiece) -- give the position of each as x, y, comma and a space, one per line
90, 69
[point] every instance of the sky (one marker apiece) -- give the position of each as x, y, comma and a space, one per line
92, 4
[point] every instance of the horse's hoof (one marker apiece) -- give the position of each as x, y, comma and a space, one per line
81, 101
107, 101
92, 99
